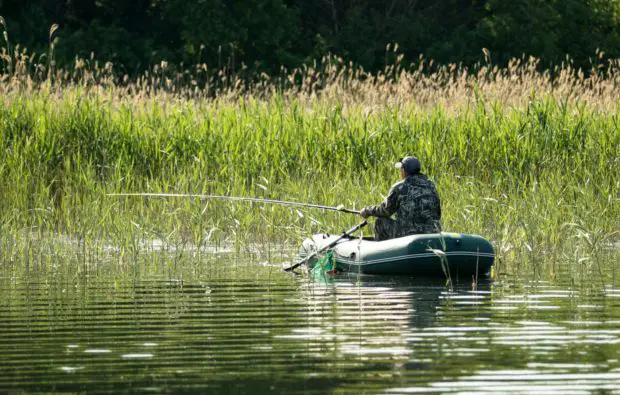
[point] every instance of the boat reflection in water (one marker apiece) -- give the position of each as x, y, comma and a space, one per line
377, 323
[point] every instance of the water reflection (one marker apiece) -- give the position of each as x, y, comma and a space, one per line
283, 334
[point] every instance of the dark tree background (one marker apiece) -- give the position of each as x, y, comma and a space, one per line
268, 34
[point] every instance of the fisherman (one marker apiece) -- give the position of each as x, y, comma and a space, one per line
413, 199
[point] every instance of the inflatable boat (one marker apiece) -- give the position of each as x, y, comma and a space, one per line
463, 255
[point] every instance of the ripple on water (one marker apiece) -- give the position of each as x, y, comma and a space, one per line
287, 335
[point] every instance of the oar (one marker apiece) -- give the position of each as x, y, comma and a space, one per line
244, 199
328, 246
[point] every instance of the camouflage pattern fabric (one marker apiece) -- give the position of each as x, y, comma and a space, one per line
415, 202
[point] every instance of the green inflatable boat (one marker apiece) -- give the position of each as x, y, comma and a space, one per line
465, 255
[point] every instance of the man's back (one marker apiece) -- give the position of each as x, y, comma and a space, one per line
419, 207
414, 201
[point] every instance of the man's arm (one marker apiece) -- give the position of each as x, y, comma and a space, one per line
385, 208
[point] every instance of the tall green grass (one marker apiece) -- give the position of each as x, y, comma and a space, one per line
541, 181
528, 159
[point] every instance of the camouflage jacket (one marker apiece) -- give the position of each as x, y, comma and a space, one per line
415, 202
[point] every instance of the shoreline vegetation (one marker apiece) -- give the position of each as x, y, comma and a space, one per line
529, 159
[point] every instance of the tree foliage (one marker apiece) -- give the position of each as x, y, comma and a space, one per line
268, 34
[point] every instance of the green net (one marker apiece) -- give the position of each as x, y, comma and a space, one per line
325, 265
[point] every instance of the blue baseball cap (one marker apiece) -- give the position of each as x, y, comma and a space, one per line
410, 164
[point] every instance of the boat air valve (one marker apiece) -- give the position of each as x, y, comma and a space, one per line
458, 242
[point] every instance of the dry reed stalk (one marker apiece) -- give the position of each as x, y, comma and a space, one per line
452, 87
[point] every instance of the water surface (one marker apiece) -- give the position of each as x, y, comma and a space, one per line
277, 333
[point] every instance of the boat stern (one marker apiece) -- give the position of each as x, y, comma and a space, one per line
309, 246
313, 244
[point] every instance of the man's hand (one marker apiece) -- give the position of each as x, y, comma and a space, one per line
365, 213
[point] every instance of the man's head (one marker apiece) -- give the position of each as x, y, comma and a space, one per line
408, 166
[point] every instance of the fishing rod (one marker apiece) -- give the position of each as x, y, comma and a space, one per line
242, 199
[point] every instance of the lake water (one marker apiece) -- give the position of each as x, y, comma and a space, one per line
271, 332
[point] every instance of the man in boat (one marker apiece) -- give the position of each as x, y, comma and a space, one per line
414, 200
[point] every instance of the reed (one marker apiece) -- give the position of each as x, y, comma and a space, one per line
529, 159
